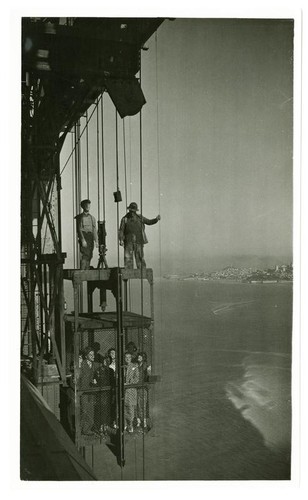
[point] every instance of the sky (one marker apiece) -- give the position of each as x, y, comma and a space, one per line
216, 147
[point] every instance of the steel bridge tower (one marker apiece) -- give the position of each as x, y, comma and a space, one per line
67, 63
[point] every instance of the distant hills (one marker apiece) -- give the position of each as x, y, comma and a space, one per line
186, 264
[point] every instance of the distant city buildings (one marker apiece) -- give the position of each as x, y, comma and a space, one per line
279, 273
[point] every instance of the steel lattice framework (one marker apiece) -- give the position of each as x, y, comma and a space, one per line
66, 64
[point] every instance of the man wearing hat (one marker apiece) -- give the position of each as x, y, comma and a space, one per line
132, 236
87, 234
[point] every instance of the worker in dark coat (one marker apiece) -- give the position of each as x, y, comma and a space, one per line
132, 236
87, 234
103, 406
87, 400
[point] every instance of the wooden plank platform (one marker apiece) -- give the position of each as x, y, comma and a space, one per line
109, 320
77, 276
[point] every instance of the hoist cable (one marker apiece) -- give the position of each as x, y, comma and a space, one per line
73, 200
87, 152
124, 154
117, 183
97, 161
157, 126
141, 271
158, 175
130, 159
130, 196
72, 152
103, 157
119, 307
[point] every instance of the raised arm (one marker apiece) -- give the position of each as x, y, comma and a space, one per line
149, 222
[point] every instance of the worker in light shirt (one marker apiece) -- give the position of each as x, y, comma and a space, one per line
87, 234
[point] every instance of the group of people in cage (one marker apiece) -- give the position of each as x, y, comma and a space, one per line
98, 408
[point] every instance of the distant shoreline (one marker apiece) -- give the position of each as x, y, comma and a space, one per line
225, 280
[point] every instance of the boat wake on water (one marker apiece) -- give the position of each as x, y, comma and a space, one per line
226, 307
263, 396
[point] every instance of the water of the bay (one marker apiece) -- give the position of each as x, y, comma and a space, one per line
223, 406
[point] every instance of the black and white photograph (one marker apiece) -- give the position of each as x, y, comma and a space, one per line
159, 262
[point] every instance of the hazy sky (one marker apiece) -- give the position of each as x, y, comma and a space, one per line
219, 93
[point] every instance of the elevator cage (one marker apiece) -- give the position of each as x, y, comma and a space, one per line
105, 397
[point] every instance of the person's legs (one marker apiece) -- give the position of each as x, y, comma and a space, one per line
86, 253
128, 256
130, 416
84, 263
142, 406
139, 256
86, 414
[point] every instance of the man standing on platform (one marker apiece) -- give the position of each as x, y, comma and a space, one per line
132, 236
87, 234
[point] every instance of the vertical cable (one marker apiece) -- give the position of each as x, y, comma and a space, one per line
78, 199
87, 152
124, 154
120, 340
159, 205
126, 200
130, 194
103, 157
117, 183
141, 273
74, 201
97, 162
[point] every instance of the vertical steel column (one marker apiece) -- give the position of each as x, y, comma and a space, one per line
60, 322
120, 373
125, 295
90, 298
76, 365
78, 197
